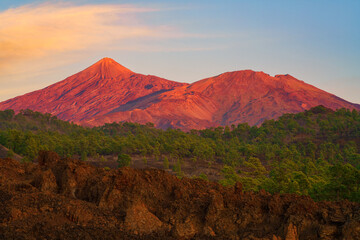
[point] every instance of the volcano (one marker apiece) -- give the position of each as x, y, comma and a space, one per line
108, 92
95, 91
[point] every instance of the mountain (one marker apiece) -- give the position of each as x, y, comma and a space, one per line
252, 97
96, 90
108, 92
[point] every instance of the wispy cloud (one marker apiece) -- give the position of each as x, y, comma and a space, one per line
44, 43
35, 31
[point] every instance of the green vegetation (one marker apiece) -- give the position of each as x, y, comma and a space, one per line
312, 153
10, 154
203, 176
124, 160
166, 163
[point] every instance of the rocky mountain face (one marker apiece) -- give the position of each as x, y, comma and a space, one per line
68, 199
95, 91
108, 92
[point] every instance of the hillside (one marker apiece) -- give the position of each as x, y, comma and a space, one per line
69, 199
108, 92
316, 152
94, 91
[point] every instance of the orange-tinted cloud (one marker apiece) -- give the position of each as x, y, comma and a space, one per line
34, 31
44, 43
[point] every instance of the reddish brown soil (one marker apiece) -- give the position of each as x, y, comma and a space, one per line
69, 199
107, 92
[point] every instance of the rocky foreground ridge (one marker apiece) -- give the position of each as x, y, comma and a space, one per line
69, 199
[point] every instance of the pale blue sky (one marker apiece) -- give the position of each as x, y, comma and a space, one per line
317, 41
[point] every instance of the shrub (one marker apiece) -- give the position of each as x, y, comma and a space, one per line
124, 160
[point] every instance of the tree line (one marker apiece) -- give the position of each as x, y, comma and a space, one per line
314, 153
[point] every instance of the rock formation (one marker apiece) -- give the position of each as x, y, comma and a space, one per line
68, 199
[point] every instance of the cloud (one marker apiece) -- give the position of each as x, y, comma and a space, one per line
44, 43
36, 31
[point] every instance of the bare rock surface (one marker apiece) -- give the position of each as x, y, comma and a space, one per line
69, 199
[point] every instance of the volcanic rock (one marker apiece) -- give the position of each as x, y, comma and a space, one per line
68, 199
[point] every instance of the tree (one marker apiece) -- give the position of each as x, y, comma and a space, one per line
145, 161
166, 163
177, 168
255, 175
7, 114
83, 156
124, 160
230, 176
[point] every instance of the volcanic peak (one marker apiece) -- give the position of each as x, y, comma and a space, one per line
107, 68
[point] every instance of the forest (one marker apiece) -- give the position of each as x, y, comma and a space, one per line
315, 152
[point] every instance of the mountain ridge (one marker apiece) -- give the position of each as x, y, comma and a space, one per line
109, 92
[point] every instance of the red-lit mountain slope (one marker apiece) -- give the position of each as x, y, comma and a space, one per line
92, 92
108, 92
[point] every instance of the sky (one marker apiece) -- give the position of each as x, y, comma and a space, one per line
317, 41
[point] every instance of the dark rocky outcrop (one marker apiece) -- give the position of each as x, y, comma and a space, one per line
69, 199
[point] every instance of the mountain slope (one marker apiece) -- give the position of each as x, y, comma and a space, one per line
93, 91
108, 92
255, 96
230, 98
